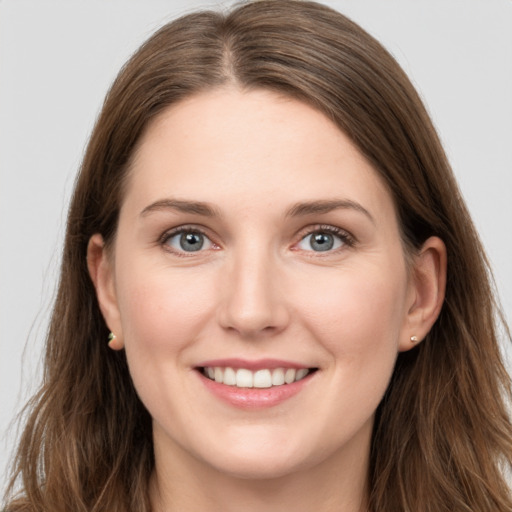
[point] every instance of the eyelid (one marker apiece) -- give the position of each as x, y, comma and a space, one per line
186, 228
346, 237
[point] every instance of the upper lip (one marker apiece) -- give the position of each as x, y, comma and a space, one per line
253, 365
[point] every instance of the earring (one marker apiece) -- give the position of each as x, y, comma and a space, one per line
114, 342
414, 339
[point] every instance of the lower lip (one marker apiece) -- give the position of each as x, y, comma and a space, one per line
255, 398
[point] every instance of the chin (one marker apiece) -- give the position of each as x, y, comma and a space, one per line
266, 459
258, 467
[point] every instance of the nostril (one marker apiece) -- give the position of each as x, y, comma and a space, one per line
252, 304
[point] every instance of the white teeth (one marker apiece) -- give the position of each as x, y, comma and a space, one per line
262, 379
230, 377
289, 376
301, 373
278, 377
243, 378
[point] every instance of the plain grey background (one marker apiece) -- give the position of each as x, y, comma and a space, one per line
57, 59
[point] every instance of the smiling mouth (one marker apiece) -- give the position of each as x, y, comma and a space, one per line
264, 378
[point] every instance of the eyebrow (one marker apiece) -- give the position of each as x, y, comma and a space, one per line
326, 206
195, 207
297, 210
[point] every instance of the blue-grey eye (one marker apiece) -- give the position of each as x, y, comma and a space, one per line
320, 241
189, 241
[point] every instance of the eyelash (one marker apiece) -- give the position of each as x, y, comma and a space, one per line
164, 239
346, 238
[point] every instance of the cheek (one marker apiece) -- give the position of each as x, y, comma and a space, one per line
358, 313
163, 309
357, 318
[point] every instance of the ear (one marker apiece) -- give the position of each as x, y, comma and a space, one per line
101, 270
426, 292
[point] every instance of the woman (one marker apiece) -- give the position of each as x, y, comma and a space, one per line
298, 314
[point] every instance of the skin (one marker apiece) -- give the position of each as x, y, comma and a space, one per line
257, 290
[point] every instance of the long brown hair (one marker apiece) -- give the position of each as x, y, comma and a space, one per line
442, 435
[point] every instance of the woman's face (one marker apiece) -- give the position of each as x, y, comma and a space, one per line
257, 247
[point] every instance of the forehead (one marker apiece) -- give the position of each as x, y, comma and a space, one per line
229, 146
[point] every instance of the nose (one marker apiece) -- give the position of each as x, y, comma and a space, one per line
253, 301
